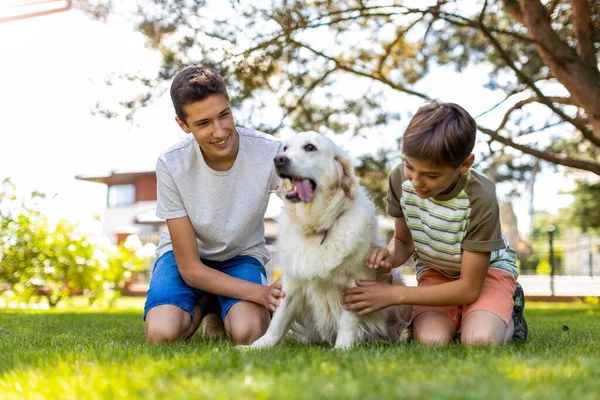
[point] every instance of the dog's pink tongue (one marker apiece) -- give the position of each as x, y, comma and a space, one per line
304, 190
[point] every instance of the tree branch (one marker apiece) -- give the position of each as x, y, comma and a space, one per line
551, 7
300, 101
313, 24
434, 11
535, 99
587, 133
533, 129
462, 21
514, 9
508, 96
375, 76
482, 13
565, 64
544, 155
286, 31
399, 36
583, 32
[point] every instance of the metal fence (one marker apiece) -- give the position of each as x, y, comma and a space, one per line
571, 254
571, 265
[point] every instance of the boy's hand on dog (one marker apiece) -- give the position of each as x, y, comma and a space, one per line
379, 258
273, 295
368, 296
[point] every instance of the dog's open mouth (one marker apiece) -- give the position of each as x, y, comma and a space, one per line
299, 189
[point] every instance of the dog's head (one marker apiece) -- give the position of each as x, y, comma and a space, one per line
311, 164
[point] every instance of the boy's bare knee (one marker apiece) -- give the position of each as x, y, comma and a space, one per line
248, 331
482, 328
167, 323
245, 337
159, 333
481, 335
475, 339
433, 339
433, 329
246, 322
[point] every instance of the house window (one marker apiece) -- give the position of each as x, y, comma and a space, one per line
121, 195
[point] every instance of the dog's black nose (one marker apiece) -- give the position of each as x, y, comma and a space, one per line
281, 160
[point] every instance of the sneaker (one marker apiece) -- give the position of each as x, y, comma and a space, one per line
212, 326
521, 329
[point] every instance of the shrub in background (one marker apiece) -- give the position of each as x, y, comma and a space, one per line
40, 259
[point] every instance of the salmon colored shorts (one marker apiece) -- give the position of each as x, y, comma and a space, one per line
496, 296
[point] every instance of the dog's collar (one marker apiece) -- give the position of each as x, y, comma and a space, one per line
324, 236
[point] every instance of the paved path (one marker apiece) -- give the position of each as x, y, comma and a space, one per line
536, 285
533, 285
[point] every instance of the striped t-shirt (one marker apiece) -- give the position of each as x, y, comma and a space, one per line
467, 218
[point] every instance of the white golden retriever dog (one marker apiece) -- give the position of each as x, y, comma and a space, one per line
326, 230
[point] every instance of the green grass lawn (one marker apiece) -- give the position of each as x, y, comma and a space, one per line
94, 354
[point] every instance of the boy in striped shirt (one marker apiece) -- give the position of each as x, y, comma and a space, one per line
446, 219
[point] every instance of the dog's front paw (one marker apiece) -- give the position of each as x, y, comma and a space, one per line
344, 342
257, 345
263, 343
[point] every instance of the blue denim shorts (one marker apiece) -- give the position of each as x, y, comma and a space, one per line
168, 287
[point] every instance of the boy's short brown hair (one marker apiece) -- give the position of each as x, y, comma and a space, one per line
193, 84
441, 132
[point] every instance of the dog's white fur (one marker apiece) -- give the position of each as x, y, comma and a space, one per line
323, 246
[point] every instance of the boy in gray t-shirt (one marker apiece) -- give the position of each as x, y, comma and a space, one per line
213, 189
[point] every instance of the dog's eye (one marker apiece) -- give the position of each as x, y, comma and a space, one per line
284, 148
310, 147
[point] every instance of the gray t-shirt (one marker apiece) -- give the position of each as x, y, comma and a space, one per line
226, 208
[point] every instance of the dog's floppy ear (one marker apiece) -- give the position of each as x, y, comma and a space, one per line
346, 176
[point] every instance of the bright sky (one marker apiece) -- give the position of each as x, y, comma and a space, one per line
53, 72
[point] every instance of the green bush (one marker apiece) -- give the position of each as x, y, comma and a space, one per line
44, 260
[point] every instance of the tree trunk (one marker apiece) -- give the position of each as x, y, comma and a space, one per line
580, 78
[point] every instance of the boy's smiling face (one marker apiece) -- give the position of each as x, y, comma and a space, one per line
211, 123
430, 179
